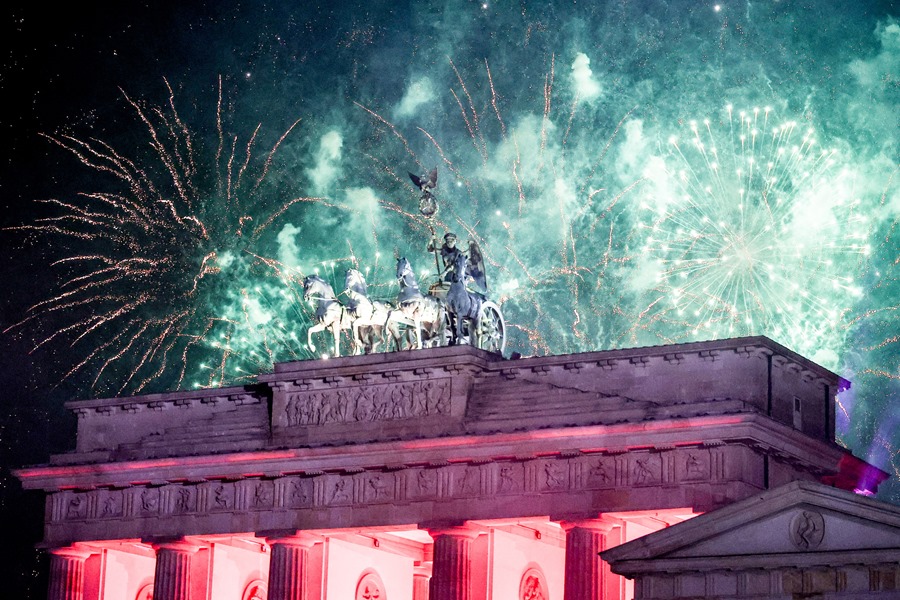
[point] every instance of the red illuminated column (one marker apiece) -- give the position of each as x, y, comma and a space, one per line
587, 576
67, 574
172, 580
451, 574
421, 581
289, 567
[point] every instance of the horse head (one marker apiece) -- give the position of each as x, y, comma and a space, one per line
404, 269
459, 268
355, 282
314, 287
405, 274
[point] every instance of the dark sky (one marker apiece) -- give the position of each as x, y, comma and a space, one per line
552, 125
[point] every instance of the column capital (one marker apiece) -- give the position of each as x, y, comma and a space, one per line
181, 545
457, 531
422, 570
72, 552
290, 537
67, 573
290, 566
452, 566
598, 525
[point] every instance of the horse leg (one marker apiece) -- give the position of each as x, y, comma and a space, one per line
309, 333
336, 331
357, 341
419, 333
375, 338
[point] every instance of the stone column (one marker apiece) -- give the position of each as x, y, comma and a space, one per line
451, 575
586, 574
289, 567
67, 574
172, 580
421, 582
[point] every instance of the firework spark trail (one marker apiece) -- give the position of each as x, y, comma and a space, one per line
490, 77
471, 125
152, 264
548, 95
395, 131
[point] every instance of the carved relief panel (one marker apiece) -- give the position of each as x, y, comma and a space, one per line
599, 472
111, 504
553, 475
374, 402
693, 464
533, 585
298, 492
467, 480
645, 469
147, 501
370, 587
424, 484
510, 478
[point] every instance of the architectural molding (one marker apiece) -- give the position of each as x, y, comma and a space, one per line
447, 469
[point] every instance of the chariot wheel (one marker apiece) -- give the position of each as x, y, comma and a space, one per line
490, 331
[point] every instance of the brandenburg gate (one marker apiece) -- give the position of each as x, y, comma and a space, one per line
448, 473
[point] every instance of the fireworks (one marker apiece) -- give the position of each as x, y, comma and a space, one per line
159, 283
535, 191
751, 228
597, 233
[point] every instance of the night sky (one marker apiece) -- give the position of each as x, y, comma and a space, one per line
636, 173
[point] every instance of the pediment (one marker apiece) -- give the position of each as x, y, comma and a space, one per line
797, 517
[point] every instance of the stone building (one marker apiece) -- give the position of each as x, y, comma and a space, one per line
800, 540
448, 473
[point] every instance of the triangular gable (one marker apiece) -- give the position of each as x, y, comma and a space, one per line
798, 517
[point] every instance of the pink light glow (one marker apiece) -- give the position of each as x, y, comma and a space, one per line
507, 551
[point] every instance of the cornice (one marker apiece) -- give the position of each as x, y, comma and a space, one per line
749, 430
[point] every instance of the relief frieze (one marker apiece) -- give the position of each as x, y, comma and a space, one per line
380, 488
184, 500
222, 497
340, 491
426, 484
510, 479
694, 465
467, 481
111, 505
263, 494
299, 493
377, 402
148, 502
77, 507
361, 488
601, 473
553, 475
645, 469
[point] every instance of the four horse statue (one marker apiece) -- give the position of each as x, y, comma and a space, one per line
448, 314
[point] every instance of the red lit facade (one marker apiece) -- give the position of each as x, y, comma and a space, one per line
448, 473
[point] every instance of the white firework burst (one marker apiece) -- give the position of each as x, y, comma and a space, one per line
752, 228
